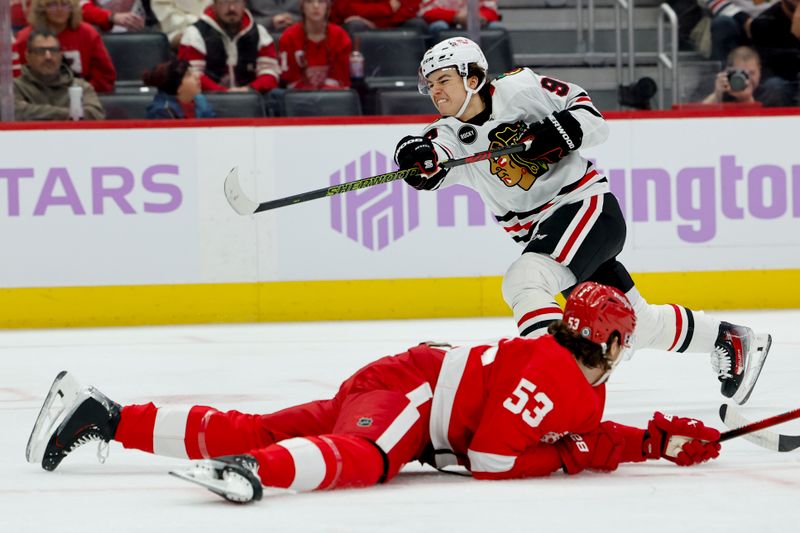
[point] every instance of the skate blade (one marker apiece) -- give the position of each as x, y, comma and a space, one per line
61, 395
221, 487
214, 485
757, 356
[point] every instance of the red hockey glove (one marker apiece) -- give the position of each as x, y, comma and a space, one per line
684, 441
600, 449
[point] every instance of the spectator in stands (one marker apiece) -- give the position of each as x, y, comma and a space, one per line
175, 16
81, 45
776, 35
227, 28
124, 15
41, 92
360, 15
19, 14
315, 53
275, 15
742, 82
730, 23
443, 15
178, 93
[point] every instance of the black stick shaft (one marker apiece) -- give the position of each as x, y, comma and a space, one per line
760, 424
385, 178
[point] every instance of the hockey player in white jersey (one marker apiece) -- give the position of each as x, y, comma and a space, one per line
553, 202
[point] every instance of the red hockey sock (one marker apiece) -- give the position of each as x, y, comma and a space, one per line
322, 462
189, 432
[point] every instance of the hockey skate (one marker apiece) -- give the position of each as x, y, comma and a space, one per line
71, 416
234, 477
738, 357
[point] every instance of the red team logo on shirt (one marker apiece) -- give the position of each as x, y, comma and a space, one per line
513, 170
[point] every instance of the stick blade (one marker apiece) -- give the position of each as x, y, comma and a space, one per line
732, 418
235, 195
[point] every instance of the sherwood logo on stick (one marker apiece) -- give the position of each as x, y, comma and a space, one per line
378, 215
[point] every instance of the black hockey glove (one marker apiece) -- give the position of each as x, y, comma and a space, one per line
553, 137
419, 152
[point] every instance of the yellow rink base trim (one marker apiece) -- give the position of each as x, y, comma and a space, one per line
357, 300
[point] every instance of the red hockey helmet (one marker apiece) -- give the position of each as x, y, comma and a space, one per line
595, 311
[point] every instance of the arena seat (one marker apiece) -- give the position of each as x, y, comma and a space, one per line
133, 53
237, 105
391, 57
322, 103
392, 102
125, 106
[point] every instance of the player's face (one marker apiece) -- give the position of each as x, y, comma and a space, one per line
447, 92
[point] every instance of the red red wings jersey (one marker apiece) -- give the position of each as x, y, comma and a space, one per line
492, 403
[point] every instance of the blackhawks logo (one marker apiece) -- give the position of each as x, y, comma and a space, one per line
513, 169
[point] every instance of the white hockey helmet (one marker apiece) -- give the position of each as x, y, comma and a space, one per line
458, 53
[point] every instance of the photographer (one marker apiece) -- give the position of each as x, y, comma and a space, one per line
741, 82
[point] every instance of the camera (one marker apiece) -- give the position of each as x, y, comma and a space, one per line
737, 79
638, 94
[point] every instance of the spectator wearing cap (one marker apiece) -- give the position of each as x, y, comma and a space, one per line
80, 43
315, 53
41, 92
230, 50
178, 93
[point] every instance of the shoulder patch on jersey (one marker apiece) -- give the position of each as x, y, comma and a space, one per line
509, 73
467, 134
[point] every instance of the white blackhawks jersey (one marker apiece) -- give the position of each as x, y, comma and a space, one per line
521, 192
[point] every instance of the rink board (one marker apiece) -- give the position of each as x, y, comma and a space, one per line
126, 223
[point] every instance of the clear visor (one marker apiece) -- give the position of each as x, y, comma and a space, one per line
422, 81
625, 353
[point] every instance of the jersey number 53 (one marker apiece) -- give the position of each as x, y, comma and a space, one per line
521, 397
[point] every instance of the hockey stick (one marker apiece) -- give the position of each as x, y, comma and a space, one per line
755, 432
245, 206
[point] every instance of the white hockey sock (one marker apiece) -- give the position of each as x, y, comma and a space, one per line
672, 327
529, 287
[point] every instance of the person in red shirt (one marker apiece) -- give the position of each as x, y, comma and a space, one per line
314, 52
451, 14
226, 29
361, 15
518, 408
81, 45
127, 16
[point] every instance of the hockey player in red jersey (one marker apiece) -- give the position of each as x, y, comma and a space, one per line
553, 201
519, 408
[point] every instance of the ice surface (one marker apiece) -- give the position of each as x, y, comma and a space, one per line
267, 366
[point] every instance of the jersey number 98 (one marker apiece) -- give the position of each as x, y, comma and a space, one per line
520, 398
